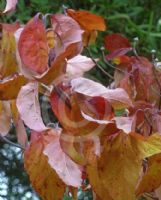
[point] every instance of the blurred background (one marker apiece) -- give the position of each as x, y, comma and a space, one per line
139, 18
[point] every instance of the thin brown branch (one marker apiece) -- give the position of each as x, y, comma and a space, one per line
112, 66
97, 65
6, 140
62, 95
150, 196
159, 85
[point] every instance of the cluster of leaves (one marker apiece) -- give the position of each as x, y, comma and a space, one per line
109, 136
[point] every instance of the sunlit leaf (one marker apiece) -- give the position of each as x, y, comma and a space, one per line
43, 178
78, 65
120, 162
67, 170
10, 6
29, 108
150, 178
90, 23
117, 97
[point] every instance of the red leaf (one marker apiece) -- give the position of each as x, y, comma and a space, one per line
116, 41
32, 45
118, 53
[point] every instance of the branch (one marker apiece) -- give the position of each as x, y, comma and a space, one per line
159, 85
6, 140
97, 65
63, 96
151, 196
112, 66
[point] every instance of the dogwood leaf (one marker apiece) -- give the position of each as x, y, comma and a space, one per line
117, 97
29, 108
43, 177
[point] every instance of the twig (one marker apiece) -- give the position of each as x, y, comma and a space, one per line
62, 95
49, 89
159, 85
136, 40
97, 65
4, 139
110, 65
64, 8
149, 122
150, 195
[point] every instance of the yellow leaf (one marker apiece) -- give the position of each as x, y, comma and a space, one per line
114, 175
150, 178
5, 117
10, 87
8, 63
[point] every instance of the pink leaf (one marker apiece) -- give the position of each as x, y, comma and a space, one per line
67, 170
117, 97
10, 6
124, 123
62, 23
78, 65
29, 108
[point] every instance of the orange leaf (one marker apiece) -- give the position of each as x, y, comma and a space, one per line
33, 46
150, 178
87, 20
58, 68
44, 179
10, 87
90, 23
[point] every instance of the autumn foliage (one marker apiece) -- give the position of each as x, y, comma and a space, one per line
108, 135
